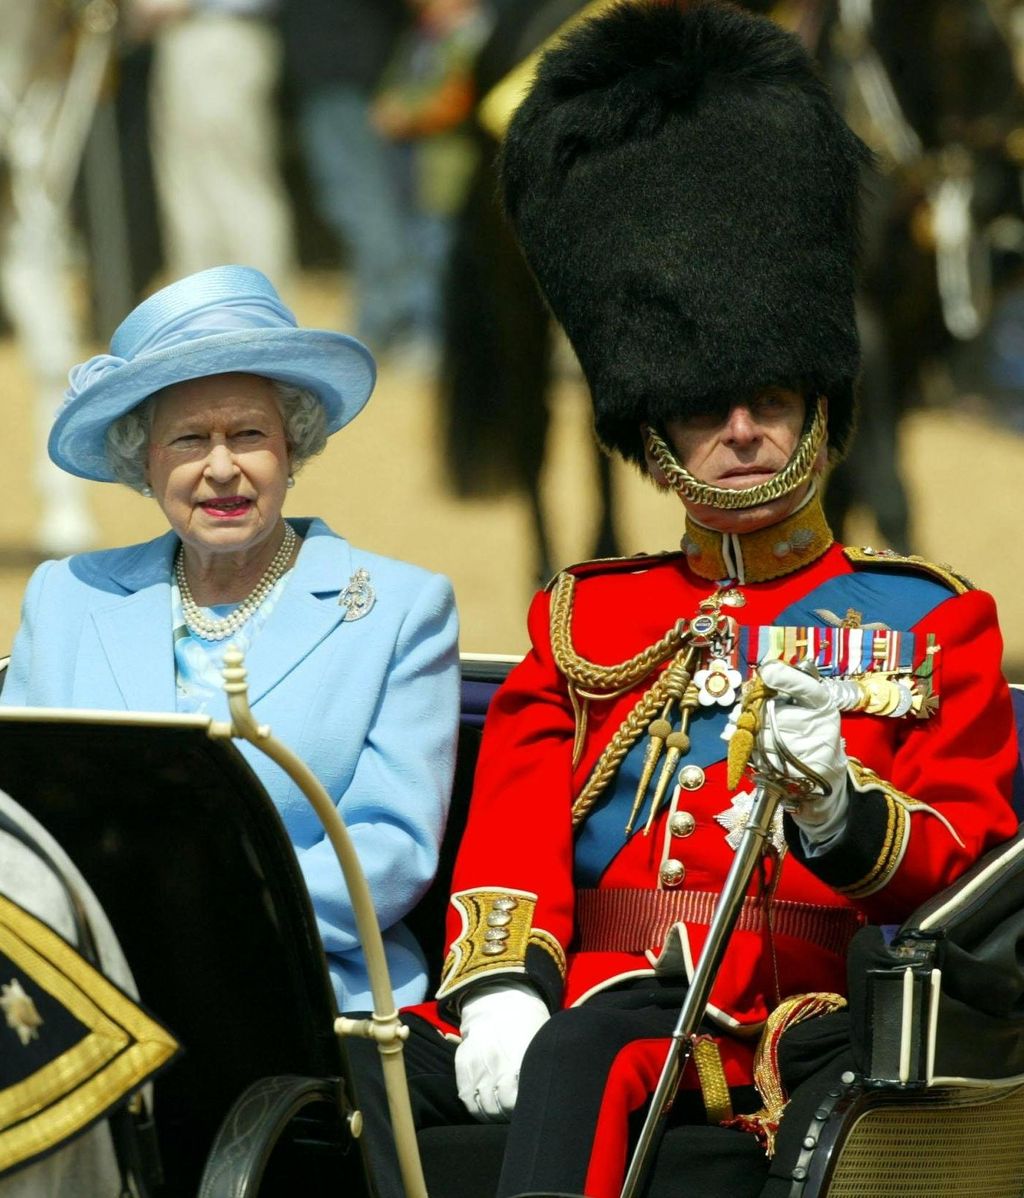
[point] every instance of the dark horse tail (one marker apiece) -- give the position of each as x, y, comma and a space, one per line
497, 337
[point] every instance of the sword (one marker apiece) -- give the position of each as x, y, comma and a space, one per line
773, 787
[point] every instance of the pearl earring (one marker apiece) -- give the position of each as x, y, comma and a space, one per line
291, 482
146, 492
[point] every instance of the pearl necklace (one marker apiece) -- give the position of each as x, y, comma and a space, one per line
210, 629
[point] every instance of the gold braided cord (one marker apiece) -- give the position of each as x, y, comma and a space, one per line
713, 1086
590, 679
546, 941
767, 1072
580, 711
626, 735
796, 471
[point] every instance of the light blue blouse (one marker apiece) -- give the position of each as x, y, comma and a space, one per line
198, 663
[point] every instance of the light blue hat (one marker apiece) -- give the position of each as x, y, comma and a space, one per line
224, 320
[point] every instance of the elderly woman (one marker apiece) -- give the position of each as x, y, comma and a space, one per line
209, 401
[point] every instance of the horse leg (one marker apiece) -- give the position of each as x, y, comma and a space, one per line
606, 542
544, 559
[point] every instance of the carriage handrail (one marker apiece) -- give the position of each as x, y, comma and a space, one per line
384, 1027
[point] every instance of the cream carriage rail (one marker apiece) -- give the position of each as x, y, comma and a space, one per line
384, 1027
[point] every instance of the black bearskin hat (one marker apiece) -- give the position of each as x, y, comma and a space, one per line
686, 195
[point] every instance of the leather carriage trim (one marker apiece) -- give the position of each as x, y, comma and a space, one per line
592, 680
121, 1046
496, 930
897, 831
632, 921
965, 892
910, 561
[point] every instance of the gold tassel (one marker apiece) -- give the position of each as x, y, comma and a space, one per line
678, 745
741, 743
657, 733
677, 682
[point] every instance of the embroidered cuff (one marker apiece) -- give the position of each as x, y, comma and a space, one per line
862, 858
498, 937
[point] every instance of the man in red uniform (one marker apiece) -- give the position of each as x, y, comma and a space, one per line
686, 196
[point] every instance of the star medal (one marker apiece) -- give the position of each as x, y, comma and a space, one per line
20, 1012
736, 817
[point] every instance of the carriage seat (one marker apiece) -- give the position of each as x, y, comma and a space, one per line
188, 856
931, 1069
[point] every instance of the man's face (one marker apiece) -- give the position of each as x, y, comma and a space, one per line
739, 448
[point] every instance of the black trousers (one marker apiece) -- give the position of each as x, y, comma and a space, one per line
582, 1099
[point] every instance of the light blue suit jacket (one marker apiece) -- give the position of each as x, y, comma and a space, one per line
370, 704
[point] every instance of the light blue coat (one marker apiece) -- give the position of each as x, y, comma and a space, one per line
371, 705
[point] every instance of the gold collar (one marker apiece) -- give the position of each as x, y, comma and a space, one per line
758, 556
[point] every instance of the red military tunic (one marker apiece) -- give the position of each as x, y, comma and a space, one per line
549, 887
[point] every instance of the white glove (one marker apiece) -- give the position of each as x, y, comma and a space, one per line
498, 1022
807, 721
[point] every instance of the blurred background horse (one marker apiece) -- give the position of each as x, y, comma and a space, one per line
933, 89
498, 339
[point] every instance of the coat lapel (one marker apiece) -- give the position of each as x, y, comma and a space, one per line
301, 619
135, 631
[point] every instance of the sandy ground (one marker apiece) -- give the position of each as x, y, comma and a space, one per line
382, 483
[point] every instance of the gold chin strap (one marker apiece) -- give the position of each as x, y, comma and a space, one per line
794, 474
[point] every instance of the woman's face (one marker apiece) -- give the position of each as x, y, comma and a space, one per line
218, 461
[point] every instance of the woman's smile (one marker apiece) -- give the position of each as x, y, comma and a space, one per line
232, 507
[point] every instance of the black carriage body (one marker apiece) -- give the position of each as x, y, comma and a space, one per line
186, 852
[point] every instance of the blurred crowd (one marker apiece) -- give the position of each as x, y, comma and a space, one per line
146, 139
361, 104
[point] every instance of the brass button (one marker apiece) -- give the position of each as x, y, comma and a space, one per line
672, 872
691, 777
682, 823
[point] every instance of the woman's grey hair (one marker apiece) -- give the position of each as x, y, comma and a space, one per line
303, 415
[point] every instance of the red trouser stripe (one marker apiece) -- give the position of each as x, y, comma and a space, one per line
631, 1080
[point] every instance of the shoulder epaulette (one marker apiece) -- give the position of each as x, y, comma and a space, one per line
613, 565
909, 561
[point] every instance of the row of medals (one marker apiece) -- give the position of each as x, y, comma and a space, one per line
719, 682
874, 693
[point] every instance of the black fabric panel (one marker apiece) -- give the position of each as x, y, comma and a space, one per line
544, 974
855, 853
463, 1162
